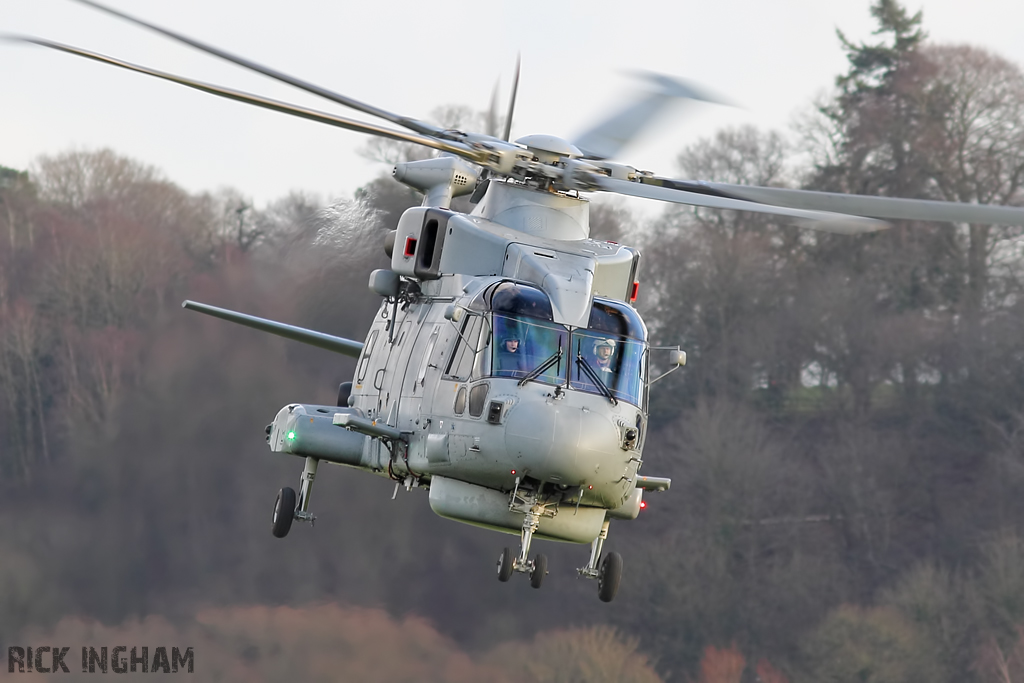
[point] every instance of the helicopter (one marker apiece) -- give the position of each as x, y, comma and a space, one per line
507, 371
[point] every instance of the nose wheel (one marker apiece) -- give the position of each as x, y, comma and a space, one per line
505, 563
539, 570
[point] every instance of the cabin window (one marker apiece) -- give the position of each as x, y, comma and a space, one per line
477, 396
427, 353
367, 352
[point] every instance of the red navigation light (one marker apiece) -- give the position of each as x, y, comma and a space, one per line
410, 246
635, 291
513, 471
643, 504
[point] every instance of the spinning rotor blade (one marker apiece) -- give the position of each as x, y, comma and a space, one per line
818, 220
405, 122
512, 100
609, 137
876, 207
266, 102
491, 118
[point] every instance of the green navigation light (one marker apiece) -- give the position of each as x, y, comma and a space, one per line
291, 436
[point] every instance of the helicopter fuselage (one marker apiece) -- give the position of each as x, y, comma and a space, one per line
483, 369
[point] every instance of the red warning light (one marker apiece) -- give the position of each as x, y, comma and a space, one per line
643, 504
634, 291
591, 486
410, 246
513, 471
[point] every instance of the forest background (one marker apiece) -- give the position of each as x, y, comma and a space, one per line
846, 443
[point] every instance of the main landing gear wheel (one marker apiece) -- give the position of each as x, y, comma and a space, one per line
284, 512
609, 577
505, 565
540, 568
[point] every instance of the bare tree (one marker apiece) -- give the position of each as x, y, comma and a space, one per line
723, 283
79, 177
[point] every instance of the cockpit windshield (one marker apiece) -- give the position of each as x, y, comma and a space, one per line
526, 341
607, 357
609, 365
523, 345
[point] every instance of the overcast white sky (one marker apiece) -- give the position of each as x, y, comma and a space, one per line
773, 58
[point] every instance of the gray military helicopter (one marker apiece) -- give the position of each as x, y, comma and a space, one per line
507, 370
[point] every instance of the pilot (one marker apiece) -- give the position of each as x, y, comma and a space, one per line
604, 350
510, 357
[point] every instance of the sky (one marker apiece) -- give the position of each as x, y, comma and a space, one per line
770, 58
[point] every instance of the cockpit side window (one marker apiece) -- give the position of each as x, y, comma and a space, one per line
467, 344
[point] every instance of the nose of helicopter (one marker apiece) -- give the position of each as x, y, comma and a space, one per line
562, 443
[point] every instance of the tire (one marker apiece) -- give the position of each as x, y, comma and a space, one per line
609, 576
540, 569
344, 391
505, 565
284, 512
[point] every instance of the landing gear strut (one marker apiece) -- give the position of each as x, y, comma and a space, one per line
537, 568
287, 508
607, 571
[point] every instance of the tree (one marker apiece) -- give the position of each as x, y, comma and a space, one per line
933, 122
23, 351
723, 283
868, 645
17, 195
597, 654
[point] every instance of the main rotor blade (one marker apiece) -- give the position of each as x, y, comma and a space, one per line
876, 207
405, 122
512, 100
818, 220
607, 139
491, 120
266, 102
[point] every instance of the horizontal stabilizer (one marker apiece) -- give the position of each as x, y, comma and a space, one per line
346, 347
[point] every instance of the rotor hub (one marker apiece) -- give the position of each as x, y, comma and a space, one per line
549, 148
